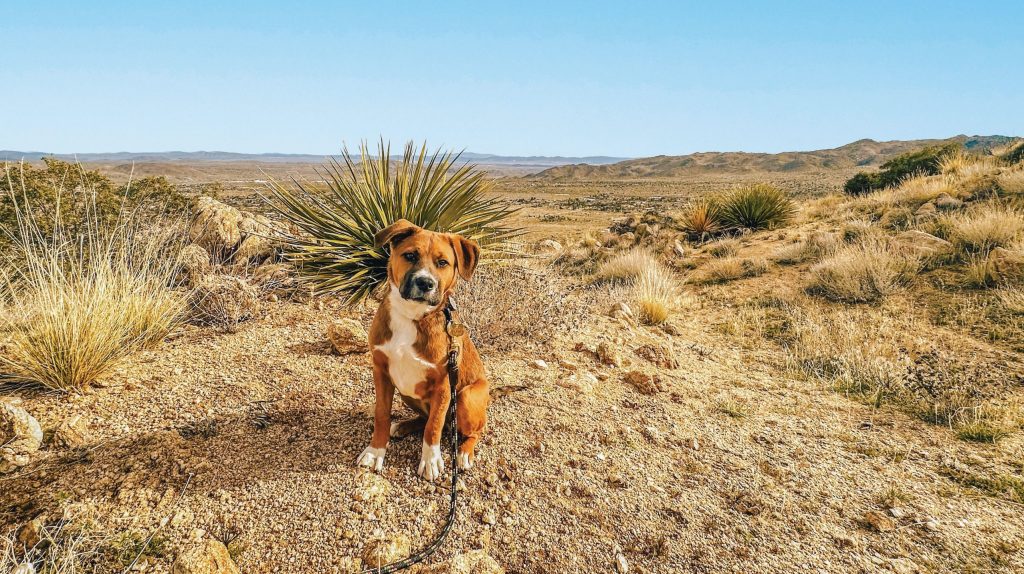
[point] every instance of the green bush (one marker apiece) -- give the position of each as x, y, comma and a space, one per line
921, 162
758, 206
85, 197
335, 251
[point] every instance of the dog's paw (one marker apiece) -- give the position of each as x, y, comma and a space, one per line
432, 462
465, 460
372, 458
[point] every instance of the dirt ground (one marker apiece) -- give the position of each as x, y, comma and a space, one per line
730, 463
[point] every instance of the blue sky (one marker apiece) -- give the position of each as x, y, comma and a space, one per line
522, 78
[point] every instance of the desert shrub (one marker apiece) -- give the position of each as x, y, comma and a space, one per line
334, 249
724, 247
981, 230
625, 267
223, 301
925, 161
580, 259
859, 230
862, 272
655, 295
759, 206
732, 268
979, 273
701, 220
897, 218
509, 305
79, 304
1011, 183
85, 197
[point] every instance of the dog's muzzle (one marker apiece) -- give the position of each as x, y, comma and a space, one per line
421, 286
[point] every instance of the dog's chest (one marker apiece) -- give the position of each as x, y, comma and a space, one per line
406, 368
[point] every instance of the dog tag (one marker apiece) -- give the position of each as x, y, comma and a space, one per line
456, 329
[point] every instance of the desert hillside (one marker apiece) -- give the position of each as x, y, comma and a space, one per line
858, 154
727, 371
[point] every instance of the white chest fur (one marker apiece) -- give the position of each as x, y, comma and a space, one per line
406, 368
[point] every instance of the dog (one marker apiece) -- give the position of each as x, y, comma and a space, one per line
409, 346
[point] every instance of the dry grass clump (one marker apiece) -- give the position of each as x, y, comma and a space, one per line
507, 305
726, 247
625, 267
860, 230
732, 268
1011, 183
1012, 299
655, 295
80, 304
863, 272
986, 228
819, 244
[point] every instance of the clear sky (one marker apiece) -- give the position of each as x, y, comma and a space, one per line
517, 78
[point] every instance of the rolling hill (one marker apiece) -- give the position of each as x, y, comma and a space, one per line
865, 152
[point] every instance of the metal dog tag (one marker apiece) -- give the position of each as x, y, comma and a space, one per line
456, 329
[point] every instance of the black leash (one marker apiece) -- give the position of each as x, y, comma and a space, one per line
454, 330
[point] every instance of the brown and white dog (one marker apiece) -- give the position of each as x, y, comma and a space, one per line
410, 346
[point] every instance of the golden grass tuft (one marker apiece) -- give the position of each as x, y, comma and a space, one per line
986, 228
1012, 299
625, 267
656, 295
1011, 183
76, 306
817, 245
732, 268
863, 272
726, 247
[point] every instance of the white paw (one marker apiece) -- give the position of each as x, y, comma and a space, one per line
431, 462
465, 461
371, 458
394, 430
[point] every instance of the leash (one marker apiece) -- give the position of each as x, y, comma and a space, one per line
454, 330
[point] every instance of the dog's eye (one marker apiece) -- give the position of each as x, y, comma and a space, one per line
411, 256
442, 263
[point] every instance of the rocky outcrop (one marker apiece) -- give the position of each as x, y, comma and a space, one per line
347, 336
20, 436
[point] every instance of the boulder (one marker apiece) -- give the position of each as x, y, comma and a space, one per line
347, 336
73, 432
210, 557
253, 249
926, 211
642, 382
549, 246
608, 355
20, 436
216, 226
223, 300
1007, 265
193, 262
922, 244
380, 552
947, 202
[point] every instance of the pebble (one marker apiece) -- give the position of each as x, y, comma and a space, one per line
621, 564
489, 517
539, 364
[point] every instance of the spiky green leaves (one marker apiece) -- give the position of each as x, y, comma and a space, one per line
336, 221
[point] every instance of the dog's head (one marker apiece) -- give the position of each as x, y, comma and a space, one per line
425, 265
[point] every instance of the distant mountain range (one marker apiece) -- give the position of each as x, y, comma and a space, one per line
861, 153
191, 156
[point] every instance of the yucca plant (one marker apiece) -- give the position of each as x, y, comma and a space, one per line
702, 219
334, 249
758, 206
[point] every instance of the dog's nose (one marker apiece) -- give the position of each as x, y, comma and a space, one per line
425, 283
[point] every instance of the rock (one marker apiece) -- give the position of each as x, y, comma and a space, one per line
922, 244
24, 568
539, 364
210, 557
642, 382
898, 513
642, 230
216, 226
473, 562
608, 355
223, 300
489, 517
347, 336
1007, 265
947, 202
628, 238
549, 246
931, 525
377, 553
20, 437
276, 279
621, 309
73, 432
678, 248
253, 249
32, 533
621, 564
657, 355
193, 263
878, 521
926, 211
903, 566
568, 365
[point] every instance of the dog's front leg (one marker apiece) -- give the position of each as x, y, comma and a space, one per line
373, 455
432, 461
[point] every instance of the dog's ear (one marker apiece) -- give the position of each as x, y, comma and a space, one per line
467, 254
394, 233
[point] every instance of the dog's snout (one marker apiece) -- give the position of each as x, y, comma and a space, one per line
425, 283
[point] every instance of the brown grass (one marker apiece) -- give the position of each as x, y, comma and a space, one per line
732, 268
625, 267
656, 295
985, 228
862, 272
